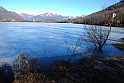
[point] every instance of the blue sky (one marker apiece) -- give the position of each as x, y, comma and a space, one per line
66, 7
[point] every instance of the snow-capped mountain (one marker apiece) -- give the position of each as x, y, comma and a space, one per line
45, 16
27, 16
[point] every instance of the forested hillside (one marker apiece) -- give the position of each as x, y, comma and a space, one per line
102, 17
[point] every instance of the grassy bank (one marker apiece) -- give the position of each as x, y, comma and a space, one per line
120, 45
88, 70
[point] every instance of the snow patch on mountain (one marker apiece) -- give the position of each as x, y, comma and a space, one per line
44, 16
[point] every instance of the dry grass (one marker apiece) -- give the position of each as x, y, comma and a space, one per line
89, 70
119, 46
27, 70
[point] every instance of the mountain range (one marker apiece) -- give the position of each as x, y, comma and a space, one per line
6, 15
45, 16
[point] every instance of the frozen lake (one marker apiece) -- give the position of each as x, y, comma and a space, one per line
36, 39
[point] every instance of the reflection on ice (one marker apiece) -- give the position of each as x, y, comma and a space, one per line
34, 38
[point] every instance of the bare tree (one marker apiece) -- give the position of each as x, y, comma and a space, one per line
97, 35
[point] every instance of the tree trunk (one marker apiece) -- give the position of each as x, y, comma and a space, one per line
99, 50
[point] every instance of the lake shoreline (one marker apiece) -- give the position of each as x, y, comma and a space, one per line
69, 23
120, 45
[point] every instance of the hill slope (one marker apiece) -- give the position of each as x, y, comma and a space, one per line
101, 17
6, 15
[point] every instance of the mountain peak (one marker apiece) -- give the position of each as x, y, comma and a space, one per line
49, 14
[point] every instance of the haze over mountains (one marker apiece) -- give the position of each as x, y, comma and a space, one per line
6, 15
45, 16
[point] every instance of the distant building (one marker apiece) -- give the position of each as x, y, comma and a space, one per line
114, 15
13, 20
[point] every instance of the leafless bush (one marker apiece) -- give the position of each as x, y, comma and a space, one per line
96, 36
